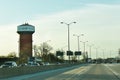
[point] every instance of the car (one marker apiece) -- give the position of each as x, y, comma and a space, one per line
9, 64
58, 63
23, 64
33, 64
46, 63
42, 63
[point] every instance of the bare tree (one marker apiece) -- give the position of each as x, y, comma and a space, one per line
42, 50
45, 48
37, 52
12, 54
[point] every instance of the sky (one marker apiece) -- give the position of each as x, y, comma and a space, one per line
98, 20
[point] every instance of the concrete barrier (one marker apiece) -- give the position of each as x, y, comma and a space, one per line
16, 71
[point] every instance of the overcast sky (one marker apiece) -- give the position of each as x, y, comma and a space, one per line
98, 20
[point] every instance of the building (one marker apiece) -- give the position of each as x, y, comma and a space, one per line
25, 32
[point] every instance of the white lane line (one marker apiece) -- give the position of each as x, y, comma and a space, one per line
114, 72
72, 74
67, 75
82, 71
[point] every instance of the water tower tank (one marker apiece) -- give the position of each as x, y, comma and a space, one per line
25, 32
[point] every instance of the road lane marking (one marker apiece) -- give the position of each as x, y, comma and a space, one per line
114, 72
71, 75
40, 73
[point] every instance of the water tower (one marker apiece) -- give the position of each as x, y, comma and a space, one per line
25, 32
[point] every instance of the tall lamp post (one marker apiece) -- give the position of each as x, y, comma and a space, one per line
90, 47
103, 53
84, 43
97, 54
78, 36
68, 25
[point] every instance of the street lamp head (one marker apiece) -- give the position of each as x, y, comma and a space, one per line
78, 35
67, 23
84, 41
74, 34
74, 22
61, 22
82, 34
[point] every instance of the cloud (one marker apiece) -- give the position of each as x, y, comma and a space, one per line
9, 39
99, 23
93, 16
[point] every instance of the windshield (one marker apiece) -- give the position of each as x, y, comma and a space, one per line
8, 64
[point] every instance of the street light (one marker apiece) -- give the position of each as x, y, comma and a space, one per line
90, 46
78, 36
84, 43
68, 25
104, 53
97, 53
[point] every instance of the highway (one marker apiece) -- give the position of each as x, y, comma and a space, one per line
80, 72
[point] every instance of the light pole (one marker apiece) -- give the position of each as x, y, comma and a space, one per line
110, 53
90, 47
96, 54
84, 43
78, 36
103, 53
68, 25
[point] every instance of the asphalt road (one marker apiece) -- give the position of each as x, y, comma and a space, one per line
81, 72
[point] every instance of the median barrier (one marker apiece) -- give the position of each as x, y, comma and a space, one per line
17, 71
